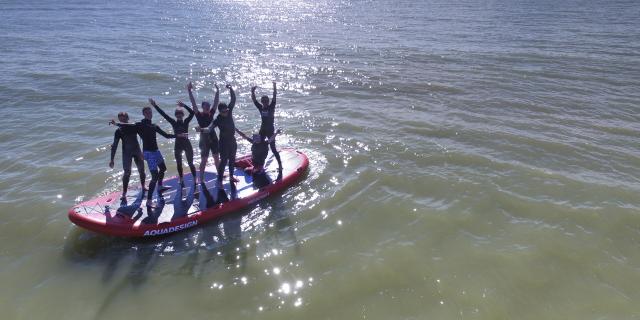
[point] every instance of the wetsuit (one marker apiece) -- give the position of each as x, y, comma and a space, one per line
259, 152
182, 144
208, 142
267, 127
227, 142
130, 151
147, 131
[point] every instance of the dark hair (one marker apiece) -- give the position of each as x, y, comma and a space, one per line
123, 114
146, 108
264, 98
222, 106
206, 103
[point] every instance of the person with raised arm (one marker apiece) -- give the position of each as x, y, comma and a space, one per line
227, 142
267, 114
130, 151
147, 131
208, 142
181, 130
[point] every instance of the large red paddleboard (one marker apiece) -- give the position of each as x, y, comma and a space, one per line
182, 208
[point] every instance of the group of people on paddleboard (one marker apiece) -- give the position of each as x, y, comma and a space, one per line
221, 146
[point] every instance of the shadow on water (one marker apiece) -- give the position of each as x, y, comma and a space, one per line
217, 245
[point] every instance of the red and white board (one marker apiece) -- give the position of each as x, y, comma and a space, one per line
182, 208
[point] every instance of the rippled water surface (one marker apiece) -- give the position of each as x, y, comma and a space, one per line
469, 159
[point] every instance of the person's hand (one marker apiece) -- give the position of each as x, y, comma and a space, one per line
112, 122
152, 102
189, 86
228, 86
253, 89
111, 164
216, 85
180, 103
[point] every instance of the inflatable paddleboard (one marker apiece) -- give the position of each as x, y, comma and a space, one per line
180, 208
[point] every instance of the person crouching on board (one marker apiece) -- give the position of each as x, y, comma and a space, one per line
130, 151
259, 151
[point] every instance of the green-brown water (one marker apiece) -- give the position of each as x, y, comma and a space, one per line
469, 160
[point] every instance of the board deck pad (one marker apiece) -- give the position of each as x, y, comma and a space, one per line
183, 207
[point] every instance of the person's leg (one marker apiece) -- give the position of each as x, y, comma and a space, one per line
152, 163
232, 162
275, 153
126, 166
177, 152
140, 165
152, 185
204, 155
216, 159
188, 151
221, 167
162, 168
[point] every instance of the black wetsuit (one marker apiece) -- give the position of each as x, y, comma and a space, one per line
147, 131
267, 127
182, 144
208, 142
130, 151
259, 152
227, 142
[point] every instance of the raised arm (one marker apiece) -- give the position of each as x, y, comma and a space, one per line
253, 98
216, 99
191, 98
273, 100
114, 146
164, 134
190, 116
243, 135
232, 93
164, 115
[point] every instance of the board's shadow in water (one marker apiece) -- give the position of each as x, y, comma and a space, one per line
213, 247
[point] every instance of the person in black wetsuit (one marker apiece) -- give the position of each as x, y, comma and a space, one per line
130, 151
267, 114
227, 142
208, 142
181, 129
259, 152
147, 131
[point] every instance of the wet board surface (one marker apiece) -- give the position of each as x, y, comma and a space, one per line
179, 208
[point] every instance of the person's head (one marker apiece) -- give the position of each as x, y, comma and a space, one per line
265, 101
223, 109
146, 112
256, 138
123, 117
179, 113
206, 106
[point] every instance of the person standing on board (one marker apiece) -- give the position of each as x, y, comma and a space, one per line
181, 130
147, 131
267, 114
208, 142
227, 143
130, 151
